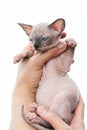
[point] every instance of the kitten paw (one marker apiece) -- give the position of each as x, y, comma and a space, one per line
33, 118
33, 107
71, 42
22, 55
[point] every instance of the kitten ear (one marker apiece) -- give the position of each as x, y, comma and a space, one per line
58, 25
26, 28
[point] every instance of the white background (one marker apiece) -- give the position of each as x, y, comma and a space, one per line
13, 39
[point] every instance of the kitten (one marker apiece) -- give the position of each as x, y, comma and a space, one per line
42, 37
56, 89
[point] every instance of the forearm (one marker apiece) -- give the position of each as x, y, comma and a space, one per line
21, 95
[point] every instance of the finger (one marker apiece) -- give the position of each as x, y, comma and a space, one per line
52, 118
79, 112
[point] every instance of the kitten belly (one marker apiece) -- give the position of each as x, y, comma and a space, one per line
49, 88
60, 95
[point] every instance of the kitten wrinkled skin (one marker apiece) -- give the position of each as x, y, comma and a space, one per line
56, 89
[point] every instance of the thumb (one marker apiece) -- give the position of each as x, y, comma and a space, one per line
52, 118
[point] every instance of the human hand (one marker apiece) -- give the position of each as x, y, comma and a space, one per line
29, 75
57, 123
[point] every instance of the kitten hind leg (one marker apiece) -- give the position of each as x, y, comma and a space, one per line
33, 117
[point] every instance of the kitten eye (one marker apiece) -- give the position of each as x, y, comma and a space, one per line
45, 38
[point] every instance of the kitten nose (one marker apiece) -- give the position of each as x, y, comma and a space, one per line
36, 45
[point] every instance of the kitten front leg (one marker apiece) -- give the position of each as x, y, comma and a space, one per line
71, 42
22, 55
67, 57
27, 52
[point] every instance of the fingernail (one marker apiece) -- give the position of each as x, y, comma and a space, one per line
61, 45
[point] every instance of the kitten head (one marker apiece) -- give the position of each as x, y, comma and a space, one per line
44, 36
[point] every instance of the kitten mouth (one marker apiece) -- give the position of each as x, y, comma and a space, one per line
45, 48
42, 49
